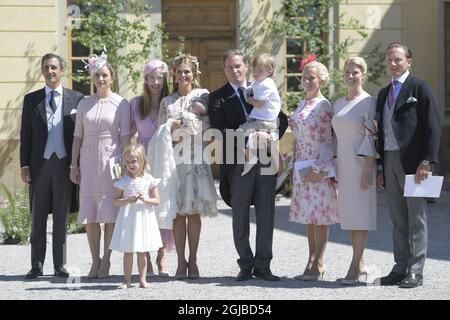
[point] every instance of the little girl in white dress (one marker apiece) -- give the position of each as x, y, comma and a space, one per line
136, 228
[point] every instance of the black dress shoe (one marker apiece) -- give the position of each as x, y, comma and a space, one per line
244, 275
265, 274
413, 280
34, 273
61, 272
392, 279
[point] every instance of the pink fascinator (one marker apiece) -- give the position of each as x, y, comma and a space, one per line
95, 62
308, 59
153, 65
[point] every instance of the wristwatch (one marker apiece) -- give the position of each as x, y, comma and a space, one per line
425, 162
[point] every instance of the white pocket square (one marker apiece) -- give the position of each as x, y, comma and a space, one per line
411, 99
73, 111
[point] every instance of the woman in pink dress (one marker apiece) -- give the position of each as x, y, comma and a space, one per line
102, 130
314, 195
144, 123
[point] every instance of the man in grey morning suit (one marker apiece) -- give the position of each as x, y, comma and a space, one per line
46, 135
227, 111
408, 139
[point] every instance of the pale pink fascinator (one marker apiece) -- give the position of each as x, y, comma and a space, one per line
95, 62
153, 65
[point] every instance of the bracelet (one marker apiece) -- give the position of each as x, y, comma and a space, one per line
315, 170
73, 167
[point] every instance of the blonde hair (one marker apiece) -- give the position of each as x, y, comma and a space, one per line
324, 76
138, 151
264, 60
192, 61
359, 63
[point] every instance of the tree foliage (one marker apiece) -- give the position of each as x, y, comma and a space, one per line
306, 23
128, 40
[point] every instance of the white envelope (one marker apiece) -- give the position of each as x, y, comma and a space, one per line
428, 188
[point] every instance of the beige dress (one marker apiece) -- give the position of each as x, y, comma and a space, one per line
357, 207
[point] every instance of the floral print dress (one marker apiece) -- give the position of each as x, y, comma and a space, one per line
314, 203
197, 193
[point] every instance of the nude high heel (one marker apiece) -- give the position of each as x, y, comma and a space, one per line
318, 277
359, 279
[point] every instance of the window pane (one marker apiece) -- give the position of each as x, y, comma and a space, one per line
78, 50
83, 86
293, 84
78, 68
293, 65
294, 46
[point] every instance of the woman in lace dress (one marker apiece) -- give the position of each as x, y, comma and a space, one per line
314, 197
196, 194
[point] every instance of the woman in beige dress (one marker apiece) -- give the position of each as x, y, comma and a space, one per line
354, 128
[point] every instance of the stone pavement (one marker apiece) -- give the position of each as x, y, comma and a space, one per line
217, 264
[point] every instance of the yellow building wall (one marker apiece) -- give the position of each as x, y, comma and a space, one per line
28, 30
419, 25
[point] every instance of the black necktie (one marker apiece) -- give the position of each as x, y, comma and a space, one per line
248, 106
52, 101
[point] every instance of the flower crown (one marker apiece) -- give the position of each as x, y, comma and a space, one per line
308, 59
189, 57
95, 62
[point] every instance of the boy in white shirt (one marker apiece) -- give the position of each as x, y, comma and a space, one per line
263, 95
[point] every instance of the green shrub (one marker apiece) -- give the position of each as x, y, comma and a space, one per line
15, 215
73, 227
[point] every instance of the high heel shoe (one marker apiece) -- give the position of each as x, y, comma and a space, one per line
102, 273
193, 272
181, 275
349, 282
317, 277
94, 271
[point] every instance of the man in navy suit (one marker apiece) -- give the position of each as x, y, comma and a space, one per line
227, 110
46, 136
408, 138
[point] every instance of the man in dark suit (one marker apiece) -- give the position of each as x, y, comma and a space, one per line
408, 139
228, 110
46, 135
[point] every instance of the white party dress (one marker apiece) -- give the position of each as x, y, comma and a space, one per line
136, 228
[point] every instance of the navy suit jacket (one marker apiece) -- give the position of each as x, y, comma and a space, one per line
415, 123
225, 112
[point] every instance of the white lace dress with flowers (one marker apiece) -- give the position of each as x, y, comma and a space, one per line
314, 203
136, 228
196, 192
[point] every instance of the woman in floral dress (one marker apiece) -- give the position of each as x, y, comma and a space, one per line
314, 197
